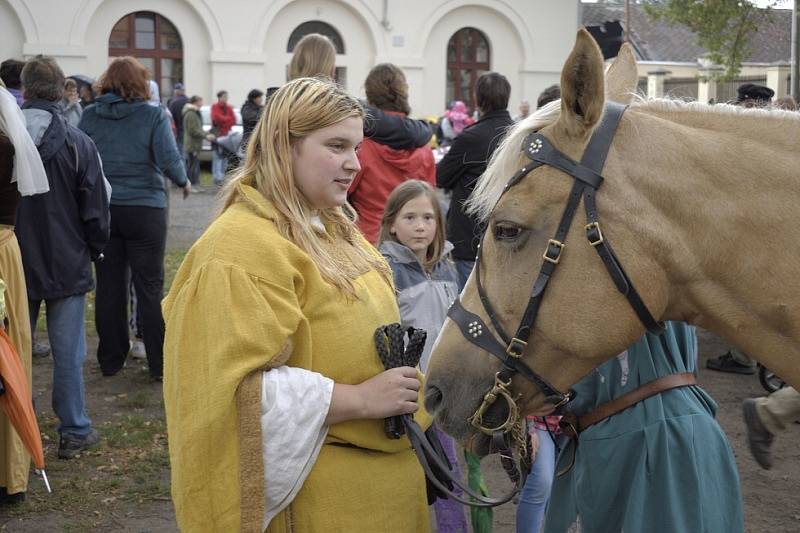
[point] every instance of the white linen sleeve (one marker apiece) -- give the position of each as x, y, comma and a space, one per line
294, 405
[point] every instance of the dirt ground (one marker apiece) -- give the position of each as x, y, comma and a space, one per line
124, 484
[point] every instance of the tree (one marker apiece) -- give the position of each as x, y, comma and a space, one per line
723, 27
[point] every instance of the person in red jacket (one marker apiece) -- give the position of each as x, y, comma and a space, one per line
383, 167
222, 120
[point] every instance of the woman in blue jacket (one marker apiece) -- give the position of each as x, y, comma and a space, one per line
137, 148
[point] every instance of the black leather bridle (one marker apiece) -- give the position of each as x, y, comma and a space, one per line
587, 180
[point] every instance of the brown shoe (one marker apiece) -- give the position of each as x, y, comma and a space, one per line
758, 437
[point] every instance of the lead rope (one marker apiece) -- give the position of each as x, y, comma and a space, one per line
394, 352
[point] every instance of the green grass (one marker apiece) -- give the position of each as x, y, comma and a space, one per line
206, 180
172, 261
128, 465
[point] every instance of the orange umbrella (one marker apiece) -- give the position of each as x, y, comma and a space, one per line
16, 401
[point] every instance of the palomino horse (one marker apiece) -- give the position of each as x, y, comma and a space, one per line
700, 203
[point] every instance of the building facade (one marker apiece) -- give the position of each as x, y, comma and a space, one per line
237, 45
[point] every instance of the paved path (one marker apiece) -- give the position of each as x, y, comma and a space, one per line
189, 218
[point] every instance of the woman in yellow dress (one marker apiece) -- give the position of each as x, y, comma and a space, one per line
273, 389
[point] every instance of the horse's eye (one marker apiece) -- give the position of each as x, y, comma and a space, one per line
506, 232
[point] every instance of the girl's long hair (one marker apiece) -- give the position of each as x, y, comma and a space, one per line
401, 195
296, 110
314, 56
387, 89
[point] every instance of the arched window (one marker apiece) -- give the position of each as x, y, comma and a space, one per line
316, 26
155, 42
467, 59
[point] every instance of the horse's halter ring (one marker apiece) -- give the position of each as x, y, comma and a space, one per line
587, 180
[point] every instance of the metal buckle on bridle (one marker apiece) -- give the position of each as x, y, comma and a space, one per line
553, 252
564, 399
594, 234
516, 348
499, 390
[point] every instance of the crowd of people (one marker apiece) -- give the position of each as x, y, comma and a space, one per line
335, 219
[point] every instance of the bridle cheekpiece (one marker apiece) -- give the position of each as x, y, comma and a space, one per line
587, 180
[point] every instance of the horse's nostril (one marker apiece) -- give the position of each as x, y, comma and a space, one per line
433, 398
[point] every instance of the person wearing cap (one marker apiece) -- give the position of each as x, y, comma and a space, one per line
735, 361
175, 106
753, 95
251, 111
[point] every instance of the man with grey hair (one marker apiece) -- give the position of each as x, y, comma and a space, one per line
60, 233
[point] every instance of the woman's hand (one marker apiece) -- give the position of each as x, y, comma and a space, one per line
392, 392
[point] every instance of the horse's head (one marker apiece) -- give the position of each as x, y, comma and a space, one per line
570, 337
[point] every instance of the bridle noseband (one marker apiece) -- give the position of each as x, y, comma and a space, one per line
587, 180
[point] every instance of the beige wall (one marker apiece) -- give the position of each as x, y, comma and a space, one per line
12, 36
241, 44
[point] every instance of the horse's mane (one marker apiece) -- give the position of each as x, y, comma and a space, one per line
506, 159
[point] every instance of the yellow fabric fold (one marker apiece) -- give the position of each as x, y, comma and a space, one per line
14, 459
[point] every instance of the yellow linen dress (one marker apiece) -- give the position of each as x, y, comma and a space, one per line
14, 459
246, 300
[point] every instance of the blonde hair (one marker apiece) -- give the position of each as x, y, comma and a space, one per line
295, 111
401, 195
314, 57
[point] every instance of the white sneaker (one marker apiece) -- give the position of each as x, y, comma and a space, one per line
138, 351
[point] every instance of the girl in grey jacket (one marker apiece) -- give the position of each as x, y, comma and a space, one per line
412, 241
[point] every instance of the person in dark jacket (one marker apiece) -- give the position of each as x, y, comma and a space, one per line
136, 144
175, 106
466, 160
251, 110
60, 233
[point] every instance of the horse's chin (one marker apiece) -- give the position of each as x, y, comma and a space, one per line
463, 431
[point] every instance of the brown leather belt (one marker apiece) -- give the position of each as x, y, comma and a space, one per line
573, 425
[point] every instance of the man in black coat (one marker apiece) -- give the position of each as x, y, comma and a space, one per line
467, 159
175, 106
60, 232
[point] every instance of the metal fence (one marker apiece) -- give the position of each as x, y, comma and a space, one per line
683, 88
726, 90
641, 87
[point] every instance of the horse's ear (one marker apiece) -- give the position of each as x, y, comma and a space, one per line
622, 76
582, 87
